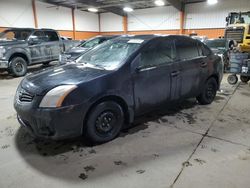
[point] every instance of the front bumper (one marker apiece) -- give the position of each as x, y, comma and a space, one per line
55, 124
3, 64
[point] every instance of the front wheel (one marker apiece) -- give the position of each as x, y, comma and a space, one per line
209, 92
244, 79
18, 66
104, 122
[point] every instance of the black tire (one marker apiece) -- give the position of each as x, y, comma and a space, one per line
104, 122
232, 79
209, 92
244, 79
18, 66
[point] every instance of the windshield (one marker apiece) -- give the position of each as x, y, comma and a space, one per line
245, 18
92, 43
216, 43
15, 34
111, 54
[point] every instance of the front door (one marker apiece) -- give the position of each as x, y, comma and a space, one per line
39, 51
153, 75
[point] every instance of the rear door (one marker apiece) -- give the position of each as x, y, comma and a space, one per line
53, 43
191, 63
152, 78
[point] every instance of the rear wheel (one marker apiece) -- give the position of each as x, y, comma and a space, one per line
209, 92
104, 122
18, 66
244, 79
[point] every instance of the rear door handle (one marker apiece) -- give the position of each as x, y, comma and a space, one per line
175, 73
203, 64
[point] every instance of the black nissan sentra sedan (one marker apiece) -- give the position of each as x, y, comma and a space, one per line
113, 83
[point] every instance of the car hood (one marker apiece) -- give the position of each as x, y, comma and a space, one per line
11, 42
69, 74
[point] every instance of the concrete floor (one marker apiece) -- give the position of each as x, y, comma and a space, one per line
183, 147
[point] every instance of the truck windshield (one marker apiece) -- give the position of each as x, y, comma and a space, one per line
91, 43
15, 35
244, 19
111, 54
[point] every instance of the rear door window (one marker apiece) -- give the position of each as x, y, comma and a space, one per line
186, 49
51, 35
159, 52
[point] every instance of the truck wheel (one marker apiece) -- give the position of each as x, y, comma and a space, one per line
244, 79
104, 122
18, 66
209, 92
232, 79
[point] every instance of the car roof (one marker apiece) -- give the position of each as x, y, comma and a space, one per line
149, 37
30, 29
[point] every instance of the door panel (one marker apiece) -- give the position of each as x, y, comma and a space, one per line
152, 80
151, 87
53, 44
39, 52
190, 62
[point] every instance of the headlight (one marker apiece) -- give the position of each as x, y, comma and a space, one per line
2, 51
55, 97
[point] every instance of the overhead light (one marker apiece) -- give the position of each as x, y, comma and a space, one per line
159, 3
92, 9
128, 9
212, 2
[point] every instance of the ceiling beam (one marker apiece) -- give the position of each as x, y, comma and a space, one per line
177, 4
114, 10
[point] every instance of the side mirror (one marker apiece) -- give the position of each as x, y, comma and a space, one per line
34, 40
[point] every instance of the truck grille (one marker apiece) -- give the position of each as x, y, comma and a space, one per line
236, 34
24, 96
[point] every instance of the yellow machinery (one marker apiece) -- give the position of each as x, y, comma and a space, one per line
238, 29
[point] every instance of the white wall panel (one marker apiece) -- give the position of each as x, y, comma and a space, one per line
159, 18
86, 21
15, 13
111, 22
50, 16
200, 15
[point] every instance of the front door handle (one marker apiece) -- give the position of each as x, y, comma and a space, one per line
203, 64
175, 73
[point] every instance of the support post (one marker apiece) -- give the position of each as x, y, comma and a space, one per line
73, 22
125, 24
34, 13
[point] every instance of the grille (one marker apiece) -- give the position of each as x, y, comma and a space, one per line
24, 96
236, 34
